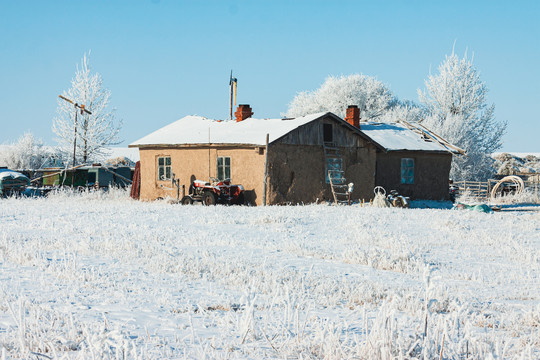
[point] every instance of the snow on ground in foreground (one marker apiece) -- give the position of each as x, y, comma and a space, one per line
104, 277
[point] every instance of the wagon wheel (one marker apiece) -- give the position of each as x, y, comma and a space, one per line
379, 190
209, 198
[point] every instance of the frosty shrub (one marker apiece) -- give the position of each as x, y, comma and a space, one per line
93, 131
112, 193
456, 101
372, 97
27, 153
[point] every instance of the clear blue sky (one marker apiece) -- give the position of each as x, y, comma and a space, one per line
165, 59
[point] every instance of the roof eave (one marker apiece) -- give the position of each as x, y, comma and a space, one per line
153, 146
442, 151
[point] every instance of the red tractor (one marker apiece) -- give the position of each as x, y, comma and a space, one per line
215, 192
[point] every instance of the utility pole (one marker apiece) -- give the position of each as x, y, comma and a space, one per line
233, 83
83, 110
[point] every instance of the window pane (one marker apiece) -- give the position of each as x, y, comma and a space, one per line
167, 161
334, 167
407, 171
227, 172
160, 173
168, 172
161, 161
227, 161
220, 173
220, 161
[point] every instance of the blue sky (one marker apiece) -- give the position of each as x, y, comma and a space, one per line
165, 59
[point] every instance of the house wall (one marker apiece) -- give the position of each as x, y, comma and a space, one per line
297, 173
431, 174
297, 163
190, 163
312, 134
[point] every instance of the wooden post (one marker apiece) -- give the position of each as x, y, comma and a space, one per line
231, 85
209, 174
265, 184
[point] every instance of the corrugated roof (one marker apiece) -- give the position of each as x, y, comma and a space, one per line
200, 130
395, 136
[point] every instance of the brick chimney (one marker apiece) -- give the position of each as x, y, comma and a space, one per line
353, 116
243, 112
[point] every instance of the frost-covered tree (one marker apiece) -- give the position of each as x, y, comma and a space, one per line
371, 96
406, 110
26, 154
94, 131
456, 101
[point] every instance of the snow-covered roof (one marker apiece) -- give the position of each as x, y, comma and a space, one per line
6, 173
192, 130
200, 130
396, 136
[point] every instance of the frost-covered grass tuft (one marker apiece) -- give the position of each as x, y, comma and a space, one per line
112, 193
96, 275
526, 197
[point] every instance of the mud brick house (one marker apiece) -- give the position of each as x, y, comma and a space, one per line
411, 159
297, 158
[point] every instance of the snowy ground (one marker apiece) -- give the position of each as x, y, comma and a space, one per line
101, 276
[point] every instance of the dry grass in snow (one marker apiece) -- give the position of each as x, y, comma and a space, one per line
99, 276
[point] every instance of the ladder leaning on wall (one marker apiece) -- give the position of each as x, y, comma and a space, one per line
335, 173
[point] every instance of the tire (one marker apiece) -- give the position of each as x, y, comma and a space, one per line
186, 200
208, 198
239, 200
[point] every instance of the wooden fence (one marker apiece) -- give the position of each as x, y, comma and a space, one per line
474, 189
481, 190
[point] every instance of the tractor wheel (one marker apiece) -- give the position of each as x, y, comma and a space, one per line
209, 198
239, 200
186, 200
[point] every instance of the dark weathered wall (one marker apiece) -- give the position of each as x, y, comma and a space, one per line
297, 173
312, 134
431, 174
297, 163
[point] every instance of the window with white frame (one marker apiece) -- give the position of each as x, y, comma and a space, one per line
164, 168
407, 171
223, 167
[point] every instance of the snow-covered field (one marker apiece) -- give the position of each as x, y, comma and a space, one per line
99, 276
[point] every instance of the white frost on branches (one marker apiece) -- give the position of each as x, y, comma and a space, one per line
372, 97
28, 153
407, 111
455, 100
94, 131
